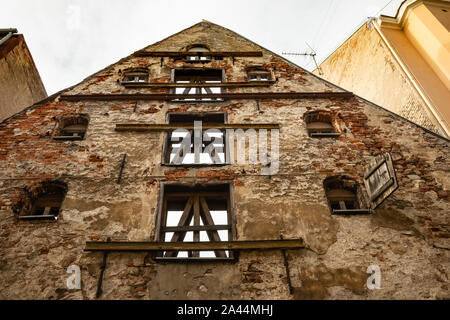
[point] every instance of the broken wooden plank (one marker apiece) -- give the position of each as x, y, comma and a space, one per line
184, 246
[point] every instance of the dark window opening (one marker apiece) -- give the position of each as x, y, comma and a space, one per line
319, 124
344, 196
47, 202
258, 74
183, 146
194, 78
73, 128
195, 214
199, 52
135, 77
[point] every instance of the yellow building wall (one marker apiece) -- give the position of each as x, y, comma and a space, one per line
427, 27
364, 65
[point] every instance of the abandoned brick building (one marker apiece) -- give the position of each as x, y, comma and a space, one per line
98, 177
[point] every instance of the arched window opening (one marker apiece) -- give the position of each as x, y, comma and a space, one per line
199, 56
319, 124
258, 74
73, 128
135, 76
45, 201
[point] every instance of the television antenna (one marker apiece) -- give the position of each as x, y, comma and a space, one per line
312, 54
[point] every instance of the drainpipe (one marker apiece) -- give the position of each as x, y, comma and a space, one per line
9, 35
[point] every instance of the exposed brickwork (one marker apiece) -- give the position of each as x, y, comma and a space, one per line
407, 236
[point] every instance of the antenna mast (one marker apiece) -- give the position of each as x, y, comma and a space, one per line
311, 54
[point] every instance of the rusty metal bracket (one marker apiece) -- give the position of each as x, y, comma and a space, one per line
286, 266
102, 271
121, 167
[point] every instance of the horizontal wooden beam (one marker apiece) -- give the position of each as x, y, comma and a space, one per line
143, 53
186, 246
196, 85
144, 127
230, 96
197, 228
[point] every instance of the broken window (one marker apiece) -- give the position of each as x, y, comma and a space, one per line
46, 201
344, 195
199, 56
72, 127
195, 214
135, 76
258, 74
192, 144
319, 124
198, 82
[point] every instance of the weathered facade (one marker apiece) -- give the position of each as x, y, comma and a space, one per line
105, 194
401, 63
20, 83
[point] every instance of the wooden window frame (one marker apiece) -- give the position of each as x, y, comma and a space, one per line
165, 155
359, 201
196, 208
197, 79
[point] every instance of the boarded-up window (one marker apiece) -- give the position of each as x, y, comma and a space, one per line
319, 124
193, 214
186, 147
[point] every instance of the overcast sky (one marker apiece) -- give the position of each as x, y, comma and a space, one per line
71, 39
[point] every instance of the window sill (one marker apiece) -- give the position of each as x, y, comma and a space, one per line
198, 165
194, 259
324, 135
134, 82
351, 211
197, 61
43, 217
68, 138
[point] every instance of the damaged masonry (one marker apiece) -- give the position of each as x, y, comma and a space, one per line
314, 186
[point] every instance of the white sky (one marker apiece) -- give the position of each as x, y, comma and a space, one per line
71, 39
